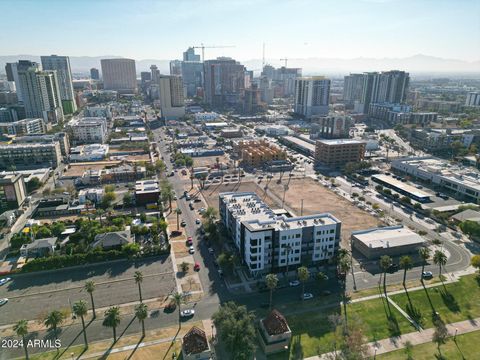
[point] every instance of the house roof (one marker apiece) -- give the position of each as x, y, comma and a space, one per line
468, 214
195, 341
42, 243
275, 323
113, 238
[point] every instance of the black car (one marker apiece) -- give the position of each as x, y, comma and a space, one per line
392, 268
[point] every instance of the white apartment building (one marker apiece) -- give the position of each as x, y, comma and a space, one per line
23, 127
171, 97
312, 96
119, 75
269, 240
473, 99
88, 130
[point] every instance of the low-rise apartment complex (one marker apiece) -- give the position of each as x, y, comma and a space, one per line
25, 126
256, 153
89, 130
30, 155
268, 241
336, 153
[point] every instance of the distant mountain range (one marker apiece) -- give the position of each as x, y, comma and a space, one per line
417, 64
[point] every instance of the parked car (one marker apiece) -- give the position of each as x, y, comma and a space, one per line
196, 267
307, 296
189, 241
3, 301
183, 223
197, 221
326, 292
427, 275
191, 250
4, 281
187, 313
392, 268
210, 250
294, 283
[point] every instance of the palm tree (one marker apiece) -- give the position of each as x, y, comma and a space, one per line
90, 287
440, 259
100, 213
138, 276
178, 211
80, 309
321, 277
112, 319
405, 264
385, 262
178, 300
303, 276
424, 253
141, 312
53, 319
21, 328
272, 281
210, 213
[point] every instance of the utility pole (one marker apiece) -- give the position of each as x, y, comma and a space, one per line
263, 56
301, 209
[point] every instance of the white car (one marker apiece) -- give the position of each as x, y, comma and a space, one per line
3, 301
191, 250
307, 296
187, 313
294, 283
4, 281
197, 221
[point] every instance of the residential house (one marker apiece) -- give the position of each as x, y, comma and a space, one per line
195, 345
39, 248
113, 239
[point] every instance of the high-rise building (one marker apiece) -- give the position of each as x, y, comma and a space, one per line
61, 64
119, 75
94, 74
171, 99
145, 76
353, 88
224, 82
190, 55
12, 75
473, 99
312, 96
283, 79
155, 73
176, 67
40, 92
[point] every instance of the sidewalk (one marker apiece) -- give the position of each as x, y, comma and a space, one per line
415, 338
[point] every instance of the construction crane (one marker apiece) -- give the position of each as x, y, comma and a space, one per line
203, 47
286, 60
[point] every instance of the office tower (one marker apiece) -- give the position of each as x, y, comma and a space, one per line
155, 73
119, 75
353, 88
145, 76
192, 75
266, 90
176, 67
61, 64
40, 92
312, 96
94, 74
224, 82
12, 75
171, 99
190, 55
473, 99
283, 79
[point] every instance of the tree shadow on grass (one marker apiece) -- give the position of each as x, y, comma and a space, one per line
450, 301
136, 347
297, 349
107, 352
415, 314
428, 297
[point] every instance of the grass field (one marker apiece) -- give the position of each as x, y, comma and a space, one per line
466, 347
454, 302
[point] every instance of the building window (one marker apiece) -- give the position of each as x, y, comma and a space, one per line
297, 236
284, 237
332, 231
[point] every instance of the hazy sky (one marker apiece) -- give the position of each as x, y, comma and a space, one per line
143, 29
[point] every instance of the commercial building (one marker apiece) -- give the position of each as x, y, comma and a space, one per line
8, 98
40, 92
473, 99
312, 95
224, 82
192, 76
401, 188
400, 114
61, 138
299, 144
268, 242
94, 74
461, 181
88, 130
146, 192
391, 241
336, 153
171, 99
255, 154
22, 127
274, 333
435, 105
92, 152
252, 100
440, 140
12, 191
61, 64
331, 127
94, 195
205, 116
119, 75
353, 89
11, 69
31, 156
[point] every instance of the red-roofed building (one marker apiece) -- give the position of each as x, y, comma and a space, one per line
195, 345
274, 333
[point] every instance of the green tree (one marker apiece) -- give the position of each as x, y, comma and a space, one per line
271, 280
236, 327
321, 277
53, 319
141, 312
90, 288
303, 275
80, 309
160, 166
385, 262
184, 266
475, 262
440, 259
138, 276
424, 253
178, 299
405, 264
107, 200
21, 329
167, 192
112, 319
127, 200
33, 184
210, 214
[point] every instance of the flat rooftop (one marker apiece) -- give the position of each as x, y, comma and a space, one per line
302, 143
401, 185
388, 237
340, 141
